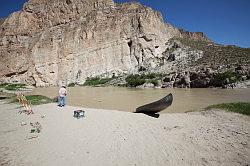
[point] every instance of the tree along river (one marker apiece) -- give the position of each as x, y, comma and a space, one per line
128, 99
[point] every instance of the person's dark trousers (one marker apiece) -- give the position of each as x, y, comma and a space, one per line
61, 101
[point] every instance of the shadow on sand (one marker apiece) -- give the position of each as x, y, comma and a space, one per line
150, 114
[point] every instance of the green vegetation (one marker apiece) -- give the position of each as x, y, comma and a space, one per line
14, 87
3, 85
135, 80
227, 77
35, 99
96, 81
71, 84
240, 107
38, 99
151, 76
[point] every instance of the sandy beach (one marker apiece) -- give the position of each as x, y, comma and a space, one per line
109, 137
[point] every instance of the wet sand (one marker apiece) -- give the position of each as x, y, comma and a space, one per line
106, 137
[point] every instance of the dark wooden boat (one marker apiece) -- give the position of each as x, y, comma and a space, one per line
156, 106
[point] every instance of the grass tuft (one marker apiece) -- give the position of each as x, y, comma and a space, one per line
38, 99
240, 107
35, 99
14, 87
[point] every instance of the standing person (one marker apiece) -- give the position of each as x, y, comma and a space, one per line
62, 96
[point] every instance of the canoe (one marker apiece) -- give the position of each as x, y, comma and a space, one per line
156, 106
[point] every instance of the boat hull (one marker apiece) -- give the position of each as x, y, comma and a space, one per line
156, 106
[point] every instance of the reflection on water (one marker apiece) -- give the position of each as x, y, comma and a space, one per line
127, 99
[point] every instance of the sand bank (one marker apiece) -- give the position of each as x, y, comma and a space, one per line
106, 137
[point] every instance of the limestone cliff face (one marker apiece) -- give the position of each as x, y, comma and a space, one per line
50, 42
199, 36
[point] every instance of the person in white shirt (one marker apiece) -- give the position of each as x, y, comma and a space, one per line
62, 96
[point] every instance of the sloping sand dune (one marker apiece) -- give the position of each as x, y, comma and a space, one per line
105, 137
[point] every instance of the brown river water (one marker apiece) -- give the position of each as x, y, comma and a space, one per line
127, 99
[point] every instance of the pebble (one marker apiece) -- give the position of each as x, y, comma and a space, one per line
23, 123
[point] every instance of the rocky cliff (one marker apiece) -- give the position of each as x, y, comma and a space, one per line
50, 42
53, 42
199, 36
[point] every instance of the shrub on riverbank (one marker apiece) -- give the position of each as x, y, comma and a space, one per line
3, 85
12, 87
227, 77
94, 81
151, 76
71, 84
135, 80
240, 107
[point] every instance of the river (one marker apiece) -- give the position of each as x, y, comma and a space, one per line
128, 99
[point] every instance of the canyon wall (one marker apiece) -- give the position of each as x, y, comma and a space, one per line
54, 42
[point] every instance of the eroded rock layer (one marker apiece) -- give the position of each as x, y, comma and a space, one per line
53, 42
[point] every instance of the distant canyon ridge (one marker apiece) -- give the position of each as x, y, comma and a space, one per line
54, 42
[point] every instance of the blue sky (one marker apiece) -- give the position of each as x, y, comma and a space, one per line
223, 21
